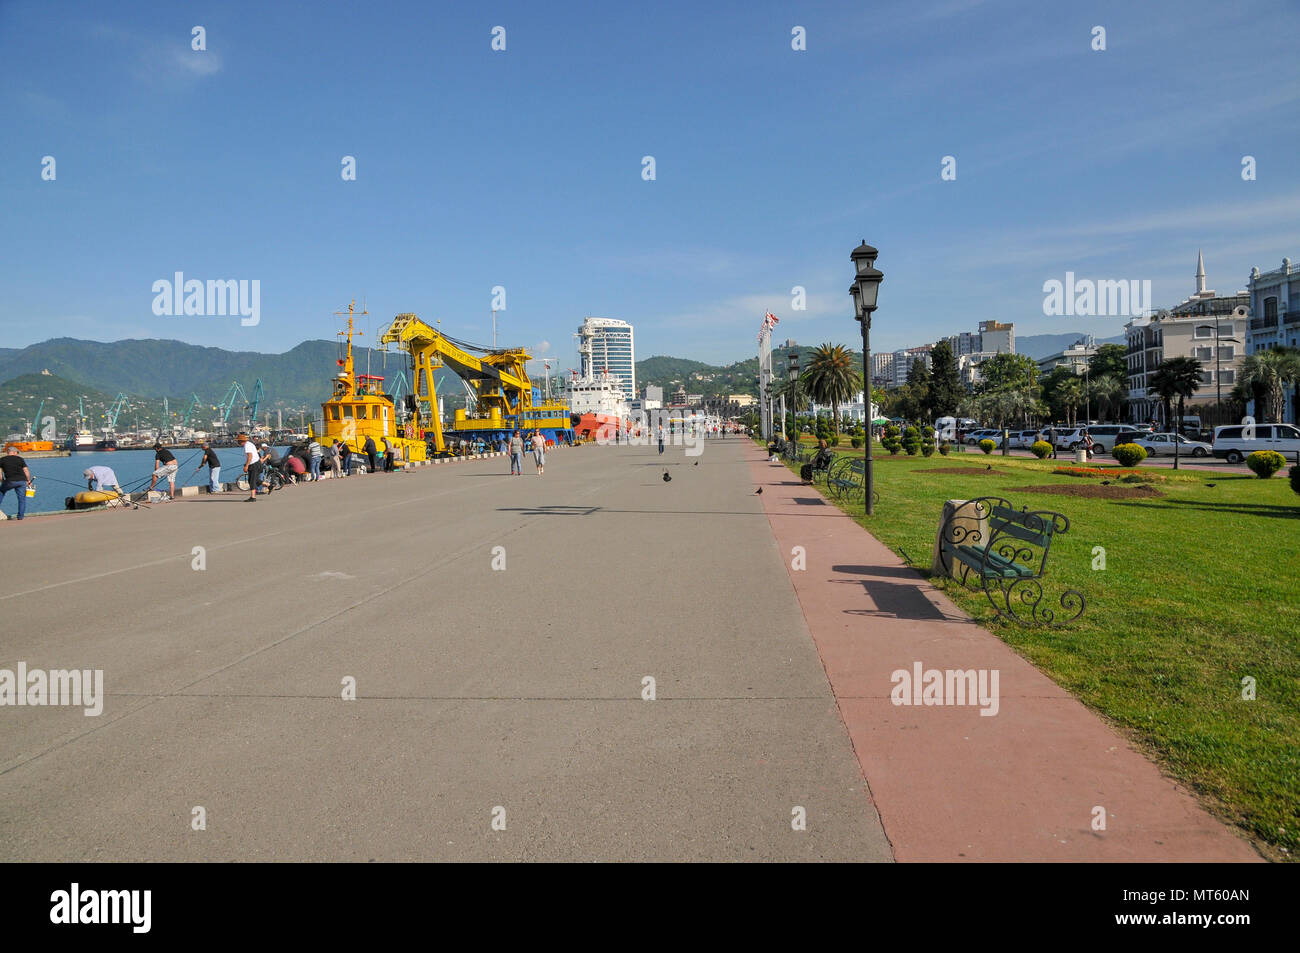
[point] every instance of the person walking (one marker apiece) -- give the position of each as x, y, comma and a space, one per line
336, 469
166, 467
516, 454
213, 463
539, 451
314, 454
371, 452
661, 438
252, 467
15, 476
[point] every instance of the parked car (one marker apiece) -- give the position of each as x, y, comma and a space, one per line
1235, 443
1103, 437
1130, 436
1024, 439
973, 437
1158, 444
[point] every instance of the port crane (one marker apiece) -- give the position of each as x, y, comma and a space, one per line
502, 392
254, 403
119, 404
233, 393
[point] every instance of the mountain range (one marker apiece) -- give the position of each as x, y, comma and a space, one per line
295, 381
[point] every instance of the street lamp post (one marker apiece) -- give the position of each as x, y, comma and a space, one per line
792, 371
864, 291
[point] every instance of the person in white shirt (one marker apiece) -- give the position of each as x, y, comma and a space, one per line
539, 451
252, 467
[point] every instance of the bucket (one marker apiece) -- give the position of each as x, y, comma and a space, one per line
31, 491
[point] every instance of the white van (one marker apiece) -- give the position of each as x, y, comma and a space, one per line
1235, 443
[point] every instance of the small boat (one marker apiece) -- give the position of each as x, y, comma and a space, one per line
89, 499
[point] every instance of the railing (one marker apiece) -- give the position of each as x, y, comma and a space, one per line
1291, 317
1257, 324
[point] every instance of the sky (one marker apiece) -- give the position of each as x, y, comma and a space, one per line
523, 168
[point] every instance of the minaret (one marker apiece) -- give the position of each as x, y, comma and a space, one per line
1200, 274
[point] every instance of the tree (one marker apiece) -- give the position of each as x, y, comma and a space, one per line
1270, 371
1177, 378
1107, 390
1070, 394
1110, 359
1050, 387
1008, 372
946, 389
832, 378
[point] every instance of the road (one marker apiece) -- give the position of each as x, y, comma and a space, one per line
512, 693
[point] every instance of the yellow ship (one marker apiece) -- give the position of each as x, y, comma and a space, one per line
359, 409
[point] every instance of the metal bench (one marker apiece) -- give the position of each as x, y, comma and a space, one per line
989, 545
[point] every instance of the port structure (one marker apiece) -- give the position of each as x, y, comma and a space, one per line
504, 396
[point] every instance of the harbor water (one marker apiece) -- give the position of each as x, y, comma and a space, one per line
60, 477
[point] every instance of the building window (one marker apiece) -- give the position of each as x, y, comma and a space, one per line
1207, 377
1227, 377
1270, 308
1203, 353
1204, 331
1227, 353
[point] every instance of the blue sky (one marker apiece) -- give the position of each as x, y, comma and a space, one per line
522, 168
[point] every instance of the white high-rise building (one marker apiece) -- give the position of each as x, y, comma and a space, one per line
611, 349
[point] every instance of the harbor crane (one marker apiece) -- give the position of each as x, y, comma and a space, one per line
255, 402
119, 404
233, 394
498, 380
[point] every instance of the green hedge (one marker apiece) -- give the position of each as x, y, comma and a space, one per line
1129, 454
1264, 463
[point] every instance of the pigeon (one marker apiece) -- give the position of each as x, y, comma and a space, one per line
759, 490
667, 478
989, 467
1210, 484
697, 463
1105, 483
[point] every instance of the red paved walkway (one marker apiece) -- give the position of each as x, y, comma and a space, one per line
951, 784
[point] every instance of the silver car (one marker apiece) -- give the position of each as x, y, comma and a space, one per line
1162, 444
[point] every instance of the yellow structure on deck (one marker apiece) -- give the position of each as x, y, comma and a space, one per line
359, 409
503, 393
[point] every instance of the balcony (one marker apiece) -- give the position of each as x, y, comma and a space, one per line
1261, 324
1291, 317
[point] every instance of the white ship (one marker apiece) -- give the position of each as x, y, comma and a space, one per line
80, 440
600, 394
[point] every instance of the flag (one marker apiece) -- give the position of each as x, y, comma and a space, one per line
771, 319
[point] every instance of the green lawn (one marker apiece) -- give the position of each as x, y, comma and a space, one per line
1201, 589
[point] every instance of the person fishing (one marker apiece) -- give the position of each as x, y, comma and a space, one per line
166, 467
97, 478
213, 463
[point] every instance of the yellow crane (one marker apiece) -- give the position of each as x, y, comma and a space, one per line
503, 393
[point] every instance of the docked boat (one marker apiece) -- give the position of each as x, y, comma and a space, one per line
80, 440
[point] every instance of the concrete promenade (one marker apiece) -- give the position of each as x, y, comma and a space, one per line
476, 688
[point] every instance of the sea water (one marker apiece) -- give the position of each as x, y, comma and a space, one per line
60, 477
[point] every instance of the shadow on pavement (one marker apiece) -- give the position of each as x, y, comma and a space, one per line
899, 601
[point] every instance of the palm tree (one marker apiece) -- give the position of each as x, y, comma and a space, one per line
1070, 394
1272, 370
831, 378
1178, 378
1106, 390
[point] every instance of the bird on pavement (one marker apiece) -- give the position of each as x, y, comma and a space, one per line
667, 478
697, 463
759, 490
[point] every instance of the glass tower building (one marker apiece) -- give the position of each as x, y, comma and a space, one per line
611, 349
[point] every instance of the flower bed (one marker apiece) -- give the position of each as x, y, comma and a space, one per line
1095, 471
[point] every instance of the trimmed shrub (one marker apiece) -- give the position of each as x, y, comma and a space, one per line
855, 442
988, 446
1041, 449
1129, 454
835, 440
1264, 463
911, 441
891, 440
945, 448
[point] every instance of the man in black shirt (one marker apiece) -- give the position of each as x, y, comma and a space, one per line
15, 476
371, 450
166, 467
213, 463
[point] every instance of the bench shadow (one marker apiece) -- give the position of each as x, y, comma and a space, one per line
898, 601
897, 572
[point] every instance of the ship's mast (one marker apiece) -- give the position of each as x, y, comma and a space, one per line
348, 374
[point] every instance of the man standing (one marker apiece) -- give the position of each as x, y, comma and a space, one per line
99, 477
336, 469
252, 468
516, 454
166, 467
314, 454
539, 451
388, 456
213, 463
661, 438
15, 476
370, 451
